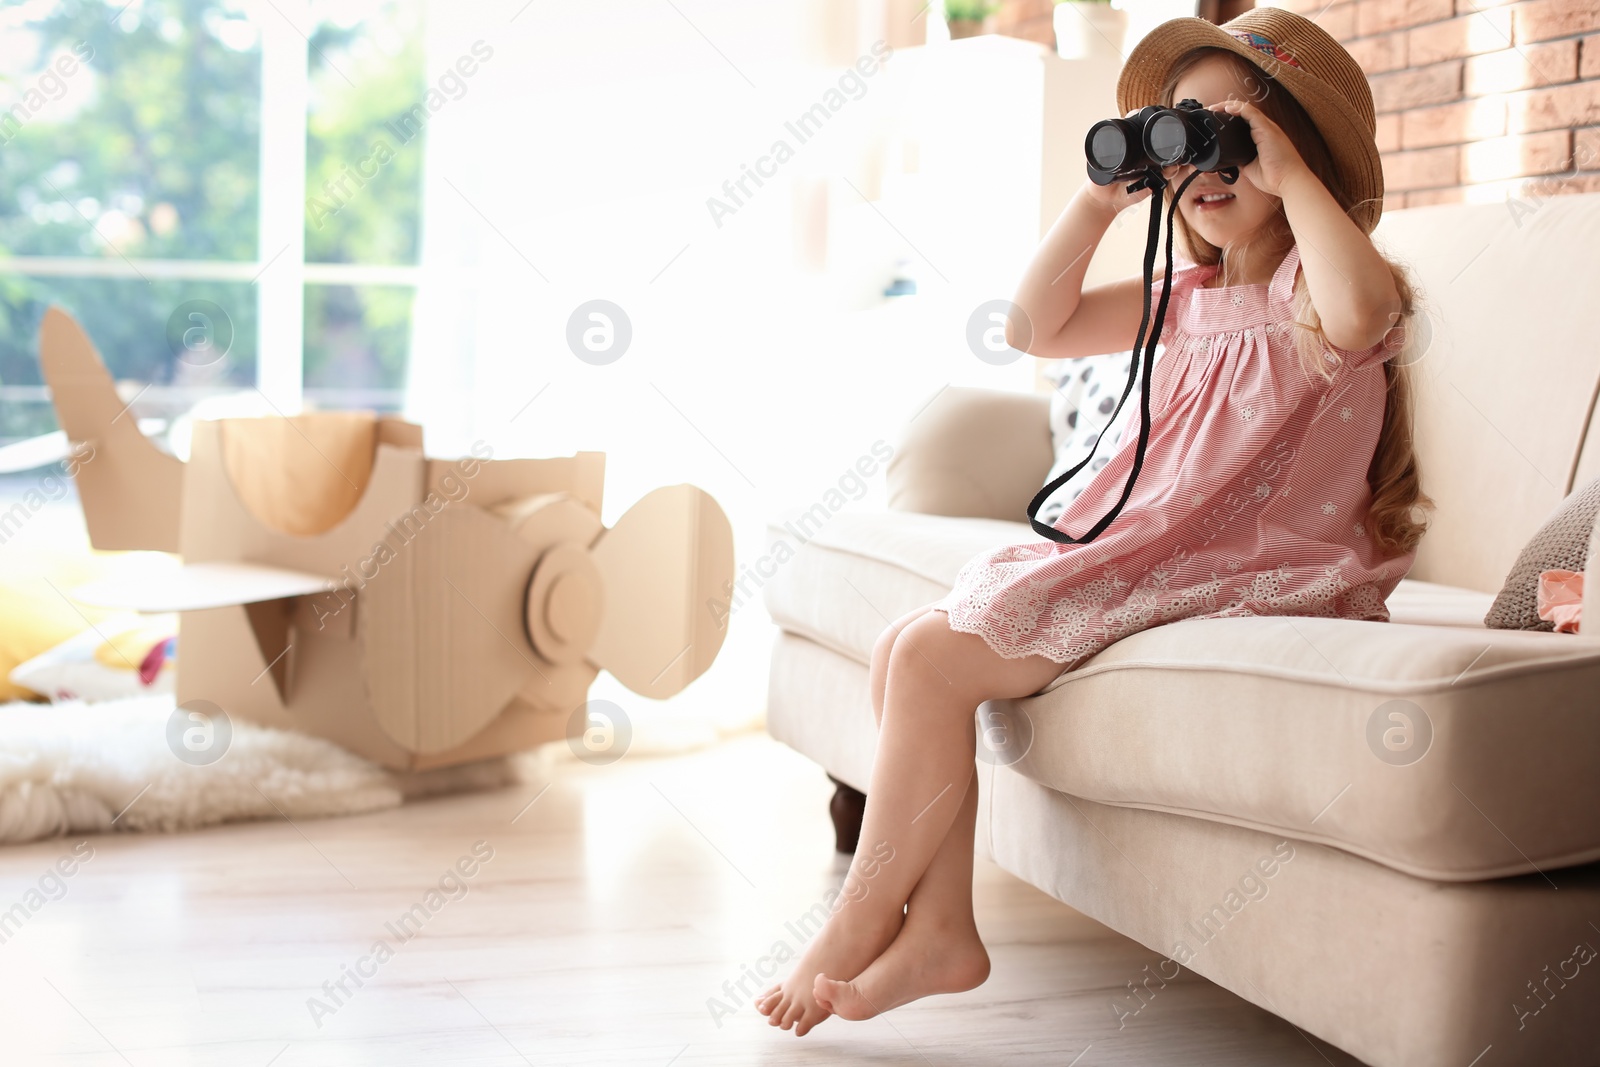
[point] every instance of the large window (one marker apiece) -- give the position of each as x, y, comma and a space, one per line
189, 176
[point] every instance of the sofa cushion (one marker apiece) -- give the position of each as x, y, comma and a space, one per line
1428, 743
860, 572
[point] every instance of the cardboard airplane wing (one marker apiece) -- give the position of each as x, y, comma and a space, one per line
198, 586
418, 611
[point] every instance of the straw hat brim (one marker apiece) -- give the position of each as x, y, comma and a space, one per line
1350, 135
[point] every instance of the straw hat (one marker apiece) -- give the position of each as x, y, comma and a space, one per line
1301, 57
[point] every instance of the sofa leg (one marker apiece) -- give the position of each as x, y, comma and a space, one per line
847, 808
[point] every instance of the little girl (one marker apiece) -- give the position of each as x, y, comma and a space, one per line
1279, 478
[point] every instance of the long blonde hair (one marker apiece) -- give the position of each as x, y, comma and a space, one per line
1397, 512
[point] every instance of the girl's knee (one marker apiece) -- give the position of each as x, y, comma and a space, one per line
965, 662
883, 646
923, 644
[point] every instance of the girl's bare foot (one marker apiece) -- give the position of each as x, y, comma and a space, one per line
847, 944
927, 958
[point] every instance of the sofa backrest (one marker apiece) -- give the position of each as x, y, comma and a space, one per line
1506, 389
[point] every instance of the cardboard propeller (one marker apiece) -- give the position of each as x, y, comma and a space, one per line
418, 611
548, 599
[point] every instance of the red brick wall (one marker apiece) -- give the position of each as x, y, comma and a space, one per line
1477, 99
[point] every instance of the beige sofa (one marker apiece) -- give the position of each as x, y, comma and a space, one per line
1222, 790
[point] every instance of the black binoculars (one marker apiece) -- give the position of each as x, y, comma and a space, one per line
1129, 149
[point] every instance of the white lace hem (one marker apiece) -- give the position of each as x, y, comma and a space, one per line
1074, 630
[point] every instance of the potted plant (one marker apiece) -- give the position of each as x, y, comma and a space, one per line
1089, 29
966, 17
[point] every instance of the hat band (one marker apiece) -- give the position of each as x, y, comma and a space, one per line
1263, 44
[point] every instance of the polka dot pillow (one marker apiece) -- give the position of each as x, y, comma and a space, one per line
1085, 394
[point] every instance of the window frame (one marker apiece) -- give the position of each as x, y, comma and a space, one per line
279, 272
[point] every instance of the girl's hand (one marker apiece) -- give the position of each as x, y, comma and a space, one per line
1114, 198
1277, 160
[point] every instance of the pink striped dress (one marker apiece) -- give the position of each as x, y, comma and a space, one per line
1252, 499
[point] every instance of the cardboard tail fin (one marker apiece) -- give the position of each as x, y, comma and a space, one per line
132, 492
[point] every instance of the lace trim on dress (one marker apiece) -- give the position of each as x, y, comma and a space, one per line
1069, 622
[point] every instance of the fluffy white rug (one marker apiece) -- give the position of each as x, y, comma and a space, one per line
77, 768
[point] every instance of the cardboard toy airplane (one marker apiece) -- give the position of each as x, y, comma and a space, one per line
420, 612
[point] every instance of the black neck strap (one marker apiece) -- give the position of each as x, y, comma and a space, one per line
1144, 352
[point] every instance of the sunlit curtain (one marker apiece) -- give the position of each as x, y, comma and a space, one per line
574, 163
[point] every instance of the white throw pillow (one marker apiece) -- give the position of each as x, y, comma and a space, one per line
124, 656
1085, 395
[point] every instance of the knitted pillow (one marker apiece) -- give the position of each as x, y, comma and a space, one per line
1085, 394
1562, 543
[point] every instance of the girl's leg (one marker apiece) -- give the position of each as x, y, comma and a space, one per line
878, 673
937, 950
940, 906
917, 796
877, 679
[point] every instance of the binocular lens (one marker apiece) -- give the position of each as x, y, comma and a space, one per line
1109, 146
1167, 138
1126, 149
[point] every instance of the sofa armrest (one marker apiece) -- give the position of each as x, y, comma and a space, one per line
976, 453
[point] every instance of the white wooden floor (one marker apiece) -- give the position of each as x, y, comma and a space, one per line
613, 908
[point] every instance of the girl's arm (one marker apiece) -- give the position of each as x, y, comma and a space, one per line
1063, 321
1351, 285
